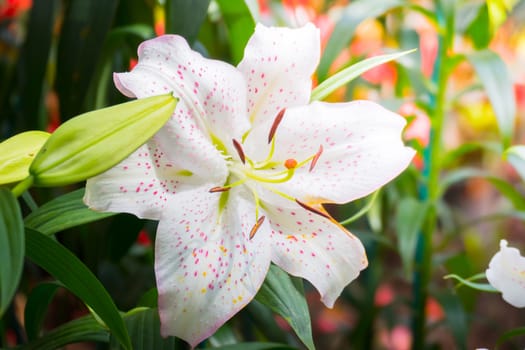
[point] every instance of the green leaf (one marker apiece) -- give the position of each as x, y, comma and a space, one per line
516, 156
184, 17
455, 317
410, 216
11, 247
505, 188
344, 30
83, 31
68, 269
240, 24
510, 334
348, 74
74, 152
80, 330
497, 82
36, 307
62, 213
285, 296
256, 346
17, 153
144, 329
484, 287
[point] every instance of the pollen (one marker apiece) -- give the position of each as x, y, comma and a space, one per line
290, 163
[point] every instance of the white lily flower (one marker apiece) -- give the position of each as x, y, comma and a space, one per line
506, 273
238, 176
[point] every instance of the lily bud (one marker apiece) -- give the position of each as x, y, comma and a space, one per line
17, 153
92, 143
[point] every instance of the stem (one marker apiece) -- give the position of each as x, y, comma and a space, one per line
22, 186
430, 191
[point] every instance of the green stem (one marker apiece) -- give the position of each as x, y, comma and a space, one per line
22, 186
430, 192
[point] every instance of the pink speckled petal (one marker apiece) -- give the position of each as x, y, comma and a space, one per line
210, 91
506, 273
206, 267
149, 180
312, 247
362, 149
278, 64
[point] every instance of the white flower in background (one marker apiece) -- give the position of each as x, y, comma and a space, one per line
238, 176
506, 273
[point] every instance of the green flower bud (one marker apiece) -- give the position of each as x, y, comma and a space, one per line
91, 143
17, 153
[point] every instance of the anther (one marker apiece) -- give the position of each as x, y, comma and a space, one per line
316, 158
256, 227
313, 210
275, 124
290, 163
239, 150
219, 189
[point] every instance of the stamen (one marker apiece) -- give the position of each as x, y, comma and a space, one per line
239, 150
257, 226
275, 124
219, 189
316, 158
313, 210
290, 163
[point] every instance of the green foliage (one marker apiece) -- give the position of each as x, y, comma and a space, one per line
11, 247
285, 296
76, 277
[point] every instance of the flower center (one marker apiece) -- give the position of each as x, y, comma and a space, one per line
265, 174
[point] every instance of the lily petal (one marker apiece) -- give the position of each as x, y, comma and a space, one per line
211, 91
278, 64
146, 182
506, 273
362, 149
207, 268
313, 247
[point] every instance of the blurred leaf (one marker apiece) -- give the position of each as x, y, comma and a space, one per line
225, 335
75, 153
516, 156
68, 269
510, 334
285, 295
480, 29
62, 213
11, 247
79, 330
149, 299
344, 30
184, 17
123, 232
497, 82
85, 27
36, 307
256, 346
144, 329
453, 156
484, 287
17, 153
455, 317
348, 74
240, 24
33, 64
410, 216
505, 188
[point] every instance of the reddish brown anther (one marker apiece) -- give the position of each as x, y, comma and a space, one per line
239, 150
219, 189
316, 158
275, 124
256, 227
313, 210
